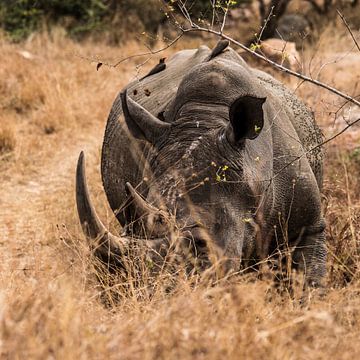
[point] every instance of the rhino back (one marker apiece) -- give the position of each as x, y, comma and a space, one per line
123, 158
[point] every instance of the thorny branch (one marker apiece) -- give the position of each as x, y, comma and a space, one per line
274, 64
304, 78
197, 28
100, 62
293, 73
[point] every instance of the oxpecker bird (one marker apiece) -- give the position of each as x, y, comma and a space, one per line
219, 48
156, 69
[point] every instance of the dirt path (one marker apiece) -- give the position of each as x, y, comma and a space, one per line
27, 201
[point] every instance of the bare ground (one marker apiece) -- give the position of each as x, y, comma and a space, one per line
23, 219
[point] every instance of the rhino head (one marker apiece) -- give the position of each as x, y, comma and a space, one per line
215, 157
198, 171
200, 184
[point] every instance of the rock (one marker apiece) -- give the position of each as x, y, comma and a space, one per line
292, 27
281, 52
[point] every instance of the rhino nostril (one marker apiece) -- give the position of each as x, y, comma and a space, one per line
160, 220
196, 236
200, 243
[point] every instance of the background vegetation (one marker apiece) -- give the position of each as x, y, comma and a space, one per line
79, 17
55, 302
115, 21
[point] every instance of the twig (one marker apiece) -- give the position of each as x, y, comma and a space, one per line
150, 52
350, 207
348, 28
341, 262
213, 13
265, 24
225, 16
138, 67
316, 147
185, 13
335, 61
342, 106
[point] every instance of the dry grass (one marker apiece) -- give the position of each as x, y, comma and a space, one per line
51, 302
7, 139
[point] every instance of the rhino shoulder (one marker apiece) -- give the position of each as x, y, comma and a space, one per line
302, 119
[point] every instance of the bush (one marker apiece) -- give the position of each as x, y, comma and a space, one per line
80, 17
19, 18
203, 9
134, 16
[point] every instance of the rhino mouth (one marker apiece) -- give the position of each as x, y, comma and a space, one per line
112, 249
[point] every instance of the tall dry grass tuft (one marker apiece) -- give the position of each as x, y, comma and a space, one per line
7, 139
58, 301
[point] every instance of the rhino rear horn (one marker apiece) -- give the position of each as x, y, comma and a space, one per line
141, 205
246, 119
106, 245
141, 123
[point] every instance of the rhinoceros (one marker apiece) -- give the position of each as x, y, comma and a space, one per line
218, 151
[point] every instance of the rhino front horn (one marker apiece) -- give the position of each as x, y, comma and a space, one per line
106, 246
141, 123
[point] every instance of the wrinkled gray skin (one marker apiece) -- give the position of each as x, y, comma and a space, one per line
220, 147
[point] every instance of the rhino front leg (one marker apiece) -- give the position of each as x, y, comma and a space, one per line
310, 254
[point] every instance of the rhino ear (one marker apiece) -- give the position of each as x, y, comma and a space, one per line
141, 123
246, 119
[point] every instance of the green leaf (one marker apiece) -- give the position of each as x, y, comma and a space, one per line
257, 129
